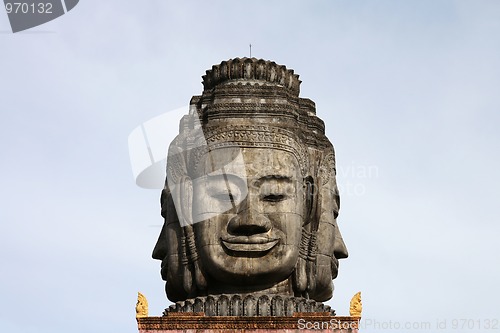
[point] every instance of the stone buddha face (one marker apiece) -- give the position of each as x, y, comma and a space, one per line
248, 213
250, 200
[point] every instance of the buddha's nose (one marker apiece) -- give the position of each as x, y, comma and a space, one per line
249, 222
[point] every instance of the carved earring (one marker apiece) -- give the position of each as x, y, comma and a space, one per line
309, 186
303, 275
313, 223
299, 276
189, 252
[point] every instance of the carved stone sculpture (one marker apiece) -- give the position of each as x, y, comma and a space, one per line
355, 307
141, 308
250, 200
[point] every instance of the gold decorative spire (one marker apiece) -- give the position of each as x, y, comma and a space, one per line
141, 308
356, 306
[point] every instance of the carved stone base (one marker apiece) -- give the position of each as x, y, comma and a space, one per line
249, 306
177, 322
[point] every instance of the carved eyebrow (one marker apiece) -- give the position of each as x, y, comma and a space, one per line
222, 176
284, 177
224, 180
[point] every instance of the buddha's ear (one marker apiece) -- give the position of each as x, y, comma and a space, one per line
182, 193
193, 276
303, 275
309, 198
184, 202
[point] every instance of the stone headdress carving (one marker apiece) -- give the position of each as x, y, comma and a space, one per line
251, 103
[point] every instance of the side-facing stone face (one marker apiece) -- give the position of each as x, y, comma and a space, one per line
250, 200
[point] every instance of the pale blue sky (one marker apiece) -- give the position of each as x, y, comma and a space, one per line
409, 89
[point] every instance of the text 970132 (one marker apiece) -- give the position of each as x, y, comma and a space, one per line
25, 8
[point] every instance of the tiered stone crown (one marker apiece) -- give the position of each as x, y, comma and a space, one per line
252, 69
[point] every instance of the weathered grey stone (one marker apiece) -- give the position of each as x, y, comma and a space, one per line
210, 306
223, 306
236, 305
301, 305
188, 306
277, 306
250, 306
198, 305
289, 306
264, 306
250, 200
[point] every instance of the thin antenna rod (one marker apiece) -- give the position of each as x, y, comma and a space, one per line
250, 50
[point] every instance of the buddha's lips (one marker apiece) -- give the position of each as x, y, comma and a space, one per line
249, 243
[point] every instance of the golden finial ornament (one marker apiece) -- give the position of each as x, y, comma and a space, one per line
141, 308
356, 306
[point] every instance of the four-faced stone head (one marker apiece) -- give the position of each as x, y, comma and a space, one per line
250, 201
